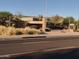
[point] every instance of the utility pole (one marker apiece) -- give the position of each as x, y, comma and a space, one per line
44, 25
46, 7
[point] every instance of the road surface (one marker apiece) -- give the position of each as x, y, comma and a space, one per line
8, 48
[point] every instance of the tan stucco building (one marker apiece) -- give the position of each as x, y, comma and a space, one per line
35, 21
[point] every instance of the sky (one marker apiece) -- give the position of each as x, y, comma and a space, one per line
38, 7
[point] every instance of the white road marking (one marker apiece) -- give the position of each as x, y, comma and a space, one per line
47, 50
35, 42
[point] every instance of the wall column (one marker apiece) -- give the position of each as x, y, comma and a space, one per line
43, 24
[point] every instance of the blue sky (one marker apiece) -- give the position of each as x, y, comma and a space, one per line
37, 7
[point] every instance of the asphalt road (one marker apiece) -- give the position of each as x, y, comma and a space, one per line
33, 45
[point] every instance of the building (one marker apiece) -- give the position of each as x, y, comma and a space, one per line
39, 22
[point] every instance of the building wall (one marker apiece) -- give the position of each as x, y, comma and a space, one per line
26, 18
30, 21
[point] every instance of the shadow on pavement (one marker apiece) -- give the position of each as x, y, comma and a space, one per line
56, 54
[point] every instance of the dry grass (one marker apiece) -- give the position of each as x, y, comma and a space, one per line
17, 31
7, 30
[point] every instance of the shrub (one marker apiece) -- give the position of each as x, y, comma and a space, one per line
31, 30
10, 31
19, 33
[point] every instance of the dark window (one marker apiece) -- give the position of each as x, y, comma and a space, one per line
35, 19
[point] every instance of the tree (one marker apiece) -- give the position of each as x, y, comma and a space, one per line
68, 20
18, 23
4, 17
55, 22
19, 14
57, 19
49, 23
76, 24
40, 17
5, 14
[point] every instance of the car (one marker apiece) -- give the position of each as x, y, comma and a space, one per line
47, 29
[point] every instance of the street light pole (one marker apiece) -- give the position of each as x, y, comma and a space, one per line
45, 14
46, 7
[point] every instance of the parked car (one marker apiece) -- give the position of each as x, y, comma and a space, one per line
47, 29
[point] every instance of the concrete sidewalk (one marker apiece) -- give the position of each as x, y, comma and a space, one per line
35, 38
63, 33
21, 36
49, 34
